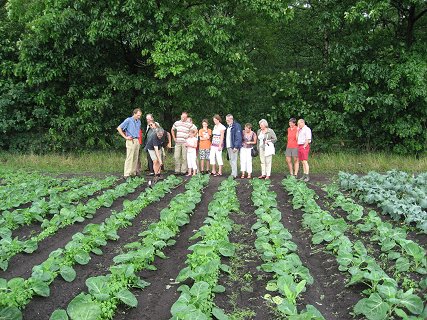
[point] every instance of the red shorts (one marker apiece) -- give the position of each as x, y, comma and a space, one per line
303, 153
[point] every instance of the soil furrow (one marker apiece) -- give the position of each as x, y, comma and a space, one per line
245, 286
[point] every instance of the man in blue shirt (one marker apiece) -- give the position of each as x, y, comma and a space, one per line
129, 130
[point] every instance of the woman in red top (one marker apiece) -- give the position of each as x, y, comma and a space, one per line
292, 148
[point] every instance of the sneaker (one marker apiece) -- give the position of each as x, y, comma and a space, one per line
306, 179
302, 177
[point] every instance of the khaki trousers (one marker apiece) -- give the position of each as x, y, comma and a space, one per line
132, 151
265, 162
180, 156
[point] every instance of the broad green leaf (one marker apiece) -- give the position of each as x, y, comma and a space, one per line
59, 314
83, 308
413, 303
127, 297
373, 308
41, 288
219, 313
82, 257
67, 273
10, 313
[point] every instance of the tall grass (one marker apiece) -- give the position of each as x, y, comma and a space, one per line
112, 162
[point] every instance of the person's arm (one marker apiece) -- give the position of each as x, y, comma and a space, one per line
169, 145
255, 139
221, 140
238, 137
307, 138
173, 133
272, 136
122, 133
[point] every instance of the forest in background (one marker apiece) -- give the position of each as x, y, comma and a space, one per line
71, 71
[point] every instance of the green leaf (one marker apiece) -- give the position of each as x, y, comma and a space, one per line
413, 303
218, 288
127, 297
82, 257
219, 313
41, 288
59, 314
82, 308
10, 313
374, 308
67, 273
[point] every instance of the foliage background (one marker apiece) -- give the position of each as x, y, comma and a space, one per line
71, 71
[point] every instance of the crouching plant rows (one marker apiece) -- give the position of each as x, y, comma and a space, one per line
106, 292
280, 255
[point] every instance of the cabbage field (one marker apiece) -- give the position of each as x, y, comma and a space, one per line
86, 247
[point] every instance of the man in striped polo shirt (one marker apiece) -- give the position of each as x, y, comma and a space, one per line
182, 128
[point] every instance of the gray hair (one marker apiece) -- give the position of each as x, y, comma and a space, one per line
264, 122
229, 116
159, 131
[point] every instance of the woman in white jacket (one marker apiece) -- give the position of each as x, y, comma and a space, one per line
266, 140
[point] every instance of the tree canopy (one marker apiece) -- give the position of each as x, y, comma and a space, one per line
356, 71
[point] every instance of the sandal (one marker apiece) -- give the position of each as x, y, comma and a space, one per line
242, 176
261, 177
249, 176
213, 174
217, 174
267, 178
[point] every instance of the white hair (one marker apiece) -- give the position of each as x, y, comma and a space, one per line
264, 122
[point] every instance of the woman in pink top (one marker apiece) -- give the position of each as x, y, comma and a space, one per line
292, 148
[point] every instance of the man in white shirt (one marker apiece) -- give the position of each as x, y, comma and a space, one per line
304, 140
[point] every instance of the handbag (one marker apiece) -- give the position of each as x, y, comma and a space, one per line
254, 151
269, 149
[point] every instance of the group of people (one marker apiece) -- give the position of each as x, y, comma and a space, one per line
208, 144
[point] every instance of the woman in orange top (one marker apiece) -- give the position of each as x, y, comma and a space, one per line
205, 135
292, 148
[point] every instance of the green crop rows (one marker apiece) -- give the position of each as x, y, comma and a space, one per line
122, 231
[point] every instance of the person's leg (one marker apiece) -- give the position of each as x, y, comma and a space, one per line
184, 158
150, 163
249, 162
262, 160
176, 157
268, 161
289, 161
296, 166
233, 161
135, 149
220, 162
212, 160
189, 164
128, 162
242, 161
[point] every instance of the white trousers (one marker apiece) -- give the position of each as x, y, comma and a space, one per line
246, 160
216, 156
192, 158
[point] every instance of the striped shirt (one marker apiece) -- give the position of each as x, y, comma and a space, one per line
182, 129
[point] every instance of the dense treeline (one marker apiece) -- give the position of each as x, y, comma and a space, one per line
72, 70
